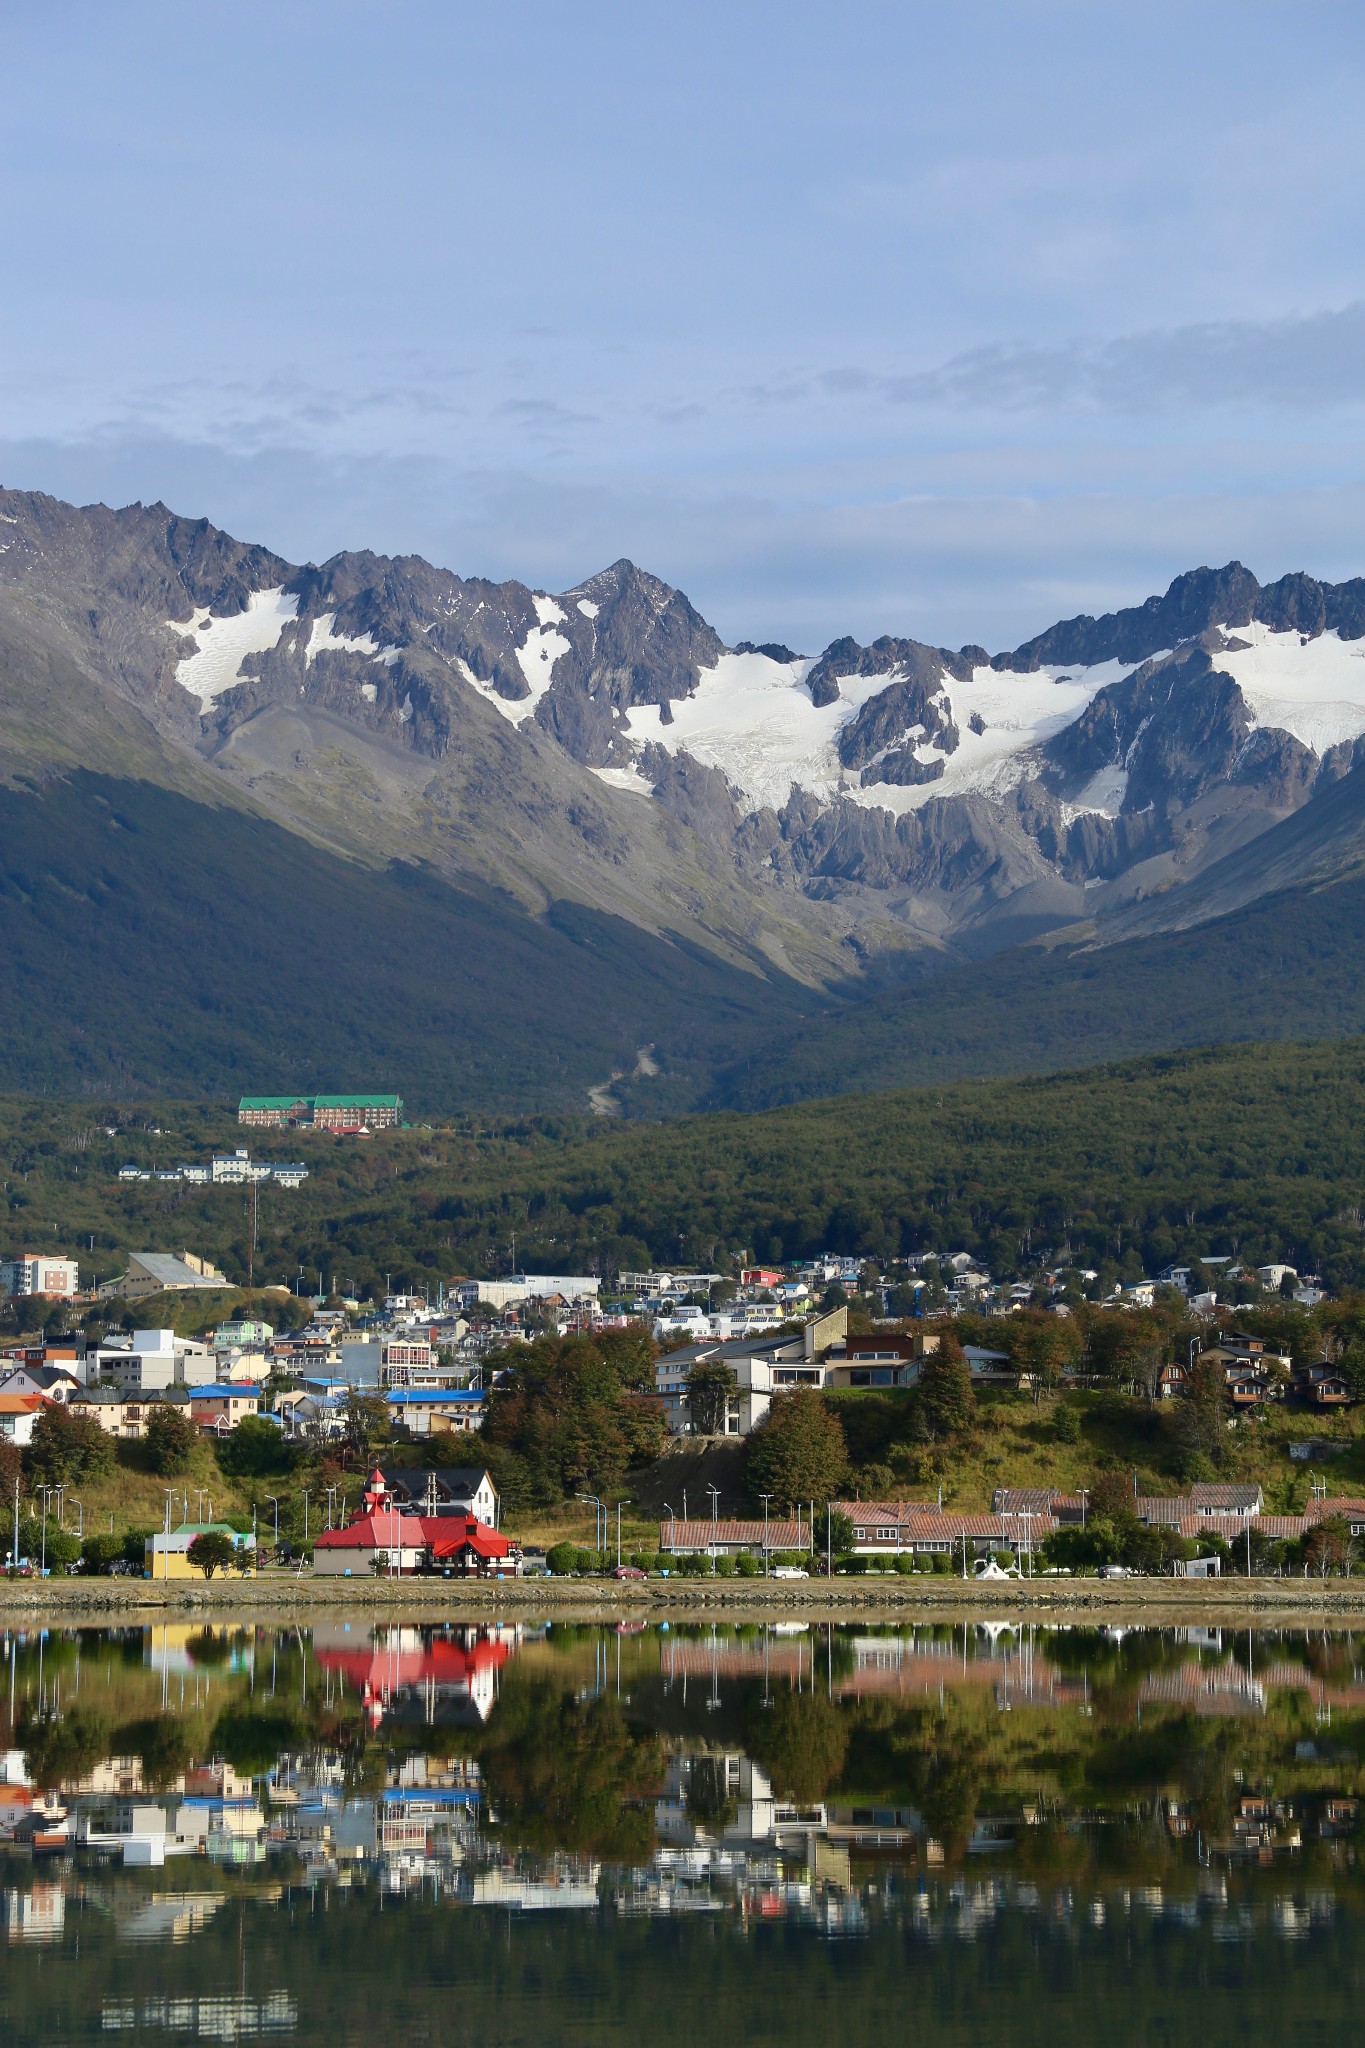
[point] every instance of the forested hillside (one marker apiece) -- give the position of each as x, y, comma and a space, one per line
1256, 1149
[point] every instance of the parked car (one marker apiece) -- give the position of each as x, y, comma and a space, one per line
790, 1571
1117, 1571
628, 1571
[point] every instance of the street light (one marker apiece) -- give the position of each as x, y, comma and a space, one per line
619, 1506
305, 1514
275, 1504
714, 1492
79, 1506
672, 1526
766, 1498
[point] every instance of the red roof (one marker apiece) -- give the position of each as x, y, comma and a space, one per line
384, 1529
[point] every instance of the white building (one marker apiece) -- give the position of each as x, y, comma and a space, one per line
162, 1273
521, 1287
35, 1273
154, 1360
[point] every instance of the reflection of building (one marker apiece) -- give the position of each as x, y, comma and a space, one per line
446, 1676
35, 1915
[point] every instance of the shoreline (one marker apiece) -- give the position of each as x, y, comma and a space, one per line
1163, 1602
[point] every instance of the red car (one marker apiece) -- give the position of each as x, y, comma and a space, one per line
628, 1571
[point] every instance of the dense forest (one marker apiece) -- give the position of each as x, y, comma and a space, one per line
1250, 1150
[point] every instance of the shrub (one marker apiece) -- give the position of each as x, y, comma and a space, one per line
748, 1566
1066, 1425
905, 1563
661, 1561
725, 1567
562, 1558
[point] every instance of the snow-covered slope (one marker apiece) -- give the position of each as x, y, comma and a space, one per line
222, 644
753, 719
1313, 688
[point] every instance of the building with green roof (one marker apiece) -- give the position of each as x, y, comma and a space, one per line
321, 1112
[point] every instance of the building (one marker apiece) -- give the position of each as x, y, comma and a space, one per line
386, 1537
118, 1415
53, 1382
217, 1407
154, 1360
701, 1537
519, 1287
18, 1414
445, 1490
162, 1273
321, 1112
234, 1335
426, 1411
762, 1366
167, 1556
35, 1273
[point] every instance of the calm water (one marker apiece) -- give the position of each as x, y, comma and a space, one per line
541, 1834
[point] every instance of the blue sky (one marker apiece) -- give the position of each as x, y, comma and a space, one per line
945, 320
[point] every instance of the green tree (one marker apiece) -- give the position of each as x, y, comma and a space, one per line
945, 1399
710, 1384
1203, 1414
798, 1452
170, 1439
257, 1447
364, 1423
211, 1552
1042, 1347
66, 1446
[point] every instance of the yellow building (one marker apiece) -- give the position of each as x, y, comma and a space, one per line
167, 1556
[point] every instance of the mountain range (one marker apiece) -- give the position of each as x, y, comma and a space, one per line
264, 823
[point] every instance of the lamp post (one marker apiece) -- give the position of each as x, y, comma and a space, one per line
305, 1514
766, 1498
166, 1556
275, 1504
619, 1506
714, 1492
672, 1531
79, 1506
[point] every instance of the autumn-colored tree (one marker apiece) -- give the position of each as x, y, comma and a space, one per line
799, 1451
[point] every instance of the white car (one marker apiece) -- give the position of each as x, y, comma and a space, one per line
789, 1571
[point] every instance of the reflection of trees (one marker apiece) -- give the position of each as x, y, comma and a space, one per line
62, 1746
801, 1742
251, 1739
165, 1744
565, 1773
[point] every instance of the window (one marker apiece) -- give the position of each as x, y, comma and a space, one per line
886, 1535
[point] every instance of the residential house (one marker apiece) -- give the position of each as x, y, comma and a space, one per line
118, 1414
910, 1528
1322, 1386
18, 1415
763, 1367
884, 1359
54, 1382
219, 1406
701, 1537
444, 1490
426, 1411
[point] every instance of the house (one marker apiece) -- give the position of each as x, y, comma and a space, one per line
220, 1406
1216, 1501
18, 1414
120, 1415
53, 1382
34, 1273
162, 1273
426, 1411
166, 1556
1322, 1386
701, 1537
889, 1359
763, 1368
444, 1490
909, 1528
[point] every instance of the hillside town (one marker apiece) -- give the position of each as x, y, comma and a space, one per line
724, 1358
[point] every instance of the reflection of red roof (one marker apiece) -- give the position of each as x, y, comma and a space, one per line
379, 1667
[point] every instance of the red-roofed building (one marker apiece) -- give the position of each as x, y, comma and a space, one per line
385, 1536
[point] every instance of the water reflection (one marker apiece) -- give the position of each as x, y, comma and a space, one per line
924, 1787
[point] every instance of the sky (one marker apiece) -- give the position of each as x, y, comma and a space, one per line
940, 320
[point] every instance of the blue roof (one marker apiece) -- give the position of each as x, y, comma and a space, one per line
197, 1393
442, 1394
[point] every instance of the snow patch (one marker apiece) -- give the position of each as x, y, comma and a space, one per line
213, 667
1314, 691
323, 638
368, 692
537, 657
1104, 793
628, 779
588, 608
